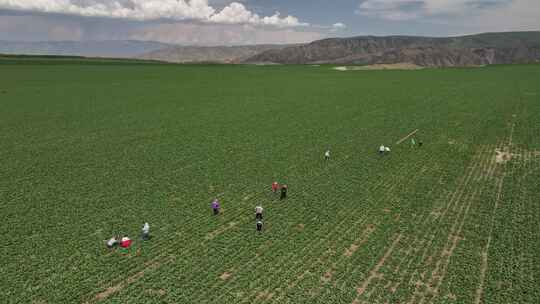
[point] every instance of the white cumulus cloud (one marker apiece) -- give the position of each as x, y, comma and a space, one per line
199, 10
336, 27
236, 13
339, 26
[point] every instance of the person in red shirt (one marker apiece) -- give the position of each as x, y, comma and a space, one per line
125, 242
275, 187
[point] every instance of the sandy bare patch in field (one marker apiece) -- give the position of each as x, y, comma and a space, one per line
157, 292
435, 213
225, 276
264, 295
327, 276
502, 157
376, 67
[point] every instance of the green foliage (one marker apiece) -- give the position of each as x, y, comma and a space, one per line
89, 151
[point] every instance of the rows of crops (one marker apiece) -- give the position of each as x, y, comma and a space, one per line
89, 151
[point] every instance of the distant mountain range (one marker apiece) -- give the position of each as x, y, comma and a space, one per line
481, 49
137, 49
113, 48
216, 54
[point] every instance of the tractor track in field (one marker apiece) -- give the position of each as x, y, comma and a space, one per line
425, 288
326, 272
485, 252
374, 273
430, 288
339, 278
481, 169
453, 197
330, 273
315, 243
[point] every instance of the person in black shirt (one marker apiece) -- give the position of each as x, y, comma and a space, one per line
283, 192
259, 225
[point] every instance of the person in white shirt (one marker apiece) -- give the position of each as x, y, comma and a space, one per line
259, 212
382, 149
112, 242
387, 149
327, 155
146, 231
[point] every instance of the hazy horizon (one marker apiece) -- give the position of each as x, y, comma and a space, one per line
248, 22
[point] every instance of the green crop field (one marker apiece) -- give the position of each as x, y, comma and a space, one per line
94, 149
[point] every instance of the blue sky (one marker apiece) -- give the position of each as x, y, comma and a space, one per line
225, 22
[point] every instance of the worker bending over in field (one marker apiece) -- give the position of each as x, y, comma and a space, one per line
275, 187
112, 242
327, 155
259, 225
259, 212
146, 232
283, 192
384, 150
125, 244
215, 206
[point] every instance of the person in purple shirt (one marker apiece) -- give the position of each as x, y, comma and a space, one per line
215, 206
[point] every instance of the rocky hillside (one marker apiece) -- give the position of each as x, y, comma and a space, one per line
489, 48
216, 54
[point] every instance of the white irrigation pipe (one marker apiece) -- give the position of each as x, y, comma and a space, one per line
404, 138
